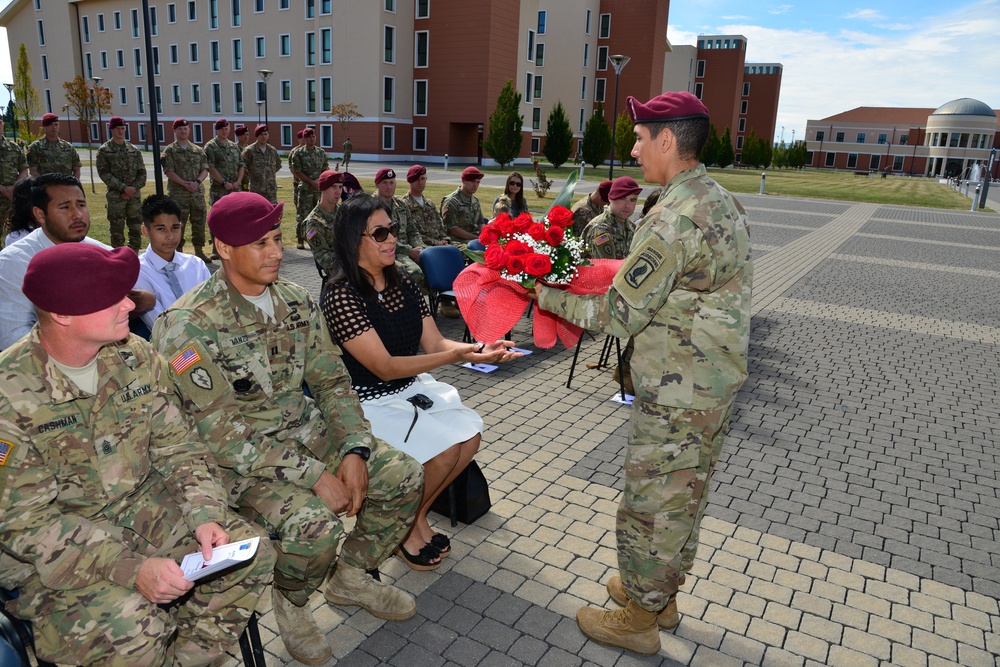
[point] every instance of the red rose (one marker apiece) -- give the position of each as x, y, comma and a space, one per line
496, 257
538, 265
537, 231
489, 235
515, 264
517, 248
560, 215
521, 223
554, 235
504, 226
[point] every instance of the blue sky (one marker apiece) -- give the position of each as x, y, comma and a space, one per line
841, 55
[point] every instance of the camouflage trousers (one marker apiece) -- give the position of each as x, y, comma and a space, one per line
305, 201
668, 465
122, 212
405, 263
309, 532
269, 192
5, 206
192, 207
115, 626
217, 192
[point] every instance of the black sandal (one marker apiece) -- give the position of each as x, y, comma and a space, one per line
441, 543
423, 560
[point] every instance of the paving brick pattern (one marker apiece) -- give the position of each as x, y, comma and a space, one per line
854, 515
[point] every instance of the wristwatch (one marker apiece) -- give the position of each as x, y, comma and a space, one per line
364, 452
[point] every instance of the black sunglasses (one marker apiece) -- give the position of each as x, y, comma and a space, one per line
517, 183
382, 233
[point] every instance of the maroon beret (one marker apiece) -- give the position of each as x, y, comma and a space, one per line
308, 132
116, 121
79, 278
241, 130
260, 128
180, 122
604, 188
241, 218
665, 107
471, 174
384, 173
298, 135
415, 172
328, 178
221, 123
623, 187
49, 118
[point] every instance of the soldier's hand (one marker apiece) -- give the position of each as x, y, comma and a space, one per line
161, 581
130, 192
333, 492
209, 536
353, 472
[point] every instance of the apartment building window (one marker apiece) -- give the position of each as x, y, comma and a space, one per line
420, 97
421, 48
135, 22
604, 31
41, 33
326, 136
539, 55
88, 60
599, 90
258, 6
285, 90
742, 125
743, 106
586, 54
175, 93
100, 23
874, 162
86, 29
214, 56
536, 144
840, 137
196, 135
171, 13
420, 138
259, 49
159, 132
310, 49
390, 44
286, 135
122, 96
542, 15
237, 97
156, 61
326, 46
883, 139
94, 132
104, 60
423, 9
852, 160
192, 11
536, 118
583, 88
538, 87
120, 58
699, 88
389, 94
531, 45
117, 17
236, 12
326, 7
701, 68
746, 88
581, 125
831, 159
140, 100
284, 45
904, 138
154, 28
283, 4
261, 91
193, 52
174, 54
196, 93
213, 14
602, 58
237, 55
388, 138
158, 96
897, 163
739, 145
216, 98
142, 132
529, 87
326, 94
311, 95
861, 137
45, 66
137, 61
310, 9
586, 24
820, 135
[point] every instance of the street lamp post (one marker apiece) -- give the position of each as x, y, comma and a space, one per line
264, 73
97, 103
12, 106
618, 62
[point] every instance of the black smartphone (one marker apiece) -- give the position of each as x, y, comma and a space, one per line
421, 401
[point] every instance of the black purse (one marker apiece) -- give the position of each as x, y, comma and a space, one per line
467, 498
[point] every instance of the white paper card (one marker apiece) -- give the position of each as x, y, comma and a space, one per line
482, 368
194, 566
521, 350
617, 398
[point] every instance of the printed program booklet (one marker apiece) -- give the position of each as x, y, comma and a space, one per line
194, 566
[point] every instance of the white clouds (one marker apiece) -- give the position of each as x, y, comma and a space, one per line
780, 9
866, 15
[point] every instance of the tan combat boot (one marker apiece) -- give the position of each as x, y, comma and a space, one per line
303, 638
632, 627
668, 619
353, 587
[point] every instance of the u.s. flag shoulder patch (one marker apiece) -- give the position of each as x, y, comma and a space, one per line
602, 239
185, 359
311, 233
5, 449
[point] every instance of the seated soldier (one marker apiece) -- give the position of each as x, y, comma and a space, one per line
319, 222
242, 346
104, 484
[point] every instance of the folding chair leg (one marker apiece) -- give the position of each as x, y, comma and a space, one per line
605, 357
452, 505
250, 646
621, 369
572, 367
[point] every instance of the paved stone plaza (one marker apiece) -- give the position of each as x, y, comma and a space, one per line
853, 517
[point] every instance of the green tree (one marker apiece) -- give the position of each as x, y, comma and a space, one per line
27, 106
753, 150
345, 113
780, 155
596, 138
624, 138
726, 152
503, 141
797, 154
558, 137
87, 104
710, 153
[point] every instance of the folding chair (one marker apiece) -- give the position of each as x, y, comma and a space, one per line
441, 265
602, 360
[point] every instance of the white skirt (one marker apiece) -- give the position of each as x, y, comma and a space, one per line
445, 424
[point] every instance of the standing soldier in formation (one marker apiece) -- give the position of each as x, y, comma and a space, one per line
242, 141
225, 163
460, 211
262, 164
13, 167
307, 164
186, 168
296, 187
120, 166
590, 207
319, 222
348, 147
50, 154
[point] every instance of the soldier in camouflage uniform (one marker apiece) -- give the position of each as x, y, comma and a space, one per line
120, 166
460, 211
13, 167
104, 486
348, 147
385, 185
50, 154
225, 163
420, 226
186, 169
319, 223
684, 293
307, 164
296, 189
262, 164
242, 133
293, 461
590, 207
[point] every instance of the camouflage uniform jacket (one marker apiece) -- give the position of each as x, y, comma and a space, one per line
397, 214
295, 179
226, 158
12, 161
422, 224
683, 292
57, 156
605, 237
310, 161
583, 212
73, 464
461, 210
187, 162
120, 166
262, 165
319, 234
241, 375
